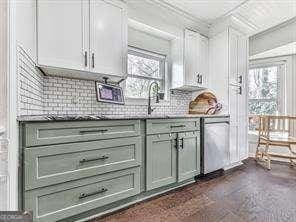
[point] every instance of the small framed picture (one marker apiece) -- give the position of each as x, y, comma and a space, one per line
109, 93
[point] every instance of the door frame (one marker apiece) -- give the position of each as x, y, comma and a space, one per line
12, 124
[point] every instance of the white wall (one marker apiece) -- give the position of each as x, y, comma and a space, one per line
273, 38
148, 41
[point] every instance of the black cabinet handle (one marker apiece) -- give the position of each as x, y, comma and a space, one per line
177, 143
101, 190
240, 79
240, 90
85, 58
178, 126
92, 131
84, 160
182, 143
93, 60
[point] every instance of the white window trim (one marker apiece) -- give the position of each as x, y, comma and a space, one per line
154, 55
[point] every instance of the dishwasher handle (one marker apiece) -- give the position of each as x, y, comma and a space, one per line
217, 122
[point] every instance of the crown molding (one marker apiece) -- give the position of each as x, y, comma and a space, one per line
181, 12
247, 25
274, 28
230, 12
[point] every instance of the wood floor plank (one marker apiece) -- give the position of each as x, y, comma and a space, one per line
248, 194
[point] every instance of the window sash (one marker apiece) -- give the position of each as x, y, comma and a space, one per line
149, 55
145, 77
145, 53
148, 78
280, 96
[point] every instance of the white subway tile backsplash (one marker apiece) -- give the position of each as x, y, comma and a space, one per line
39, 94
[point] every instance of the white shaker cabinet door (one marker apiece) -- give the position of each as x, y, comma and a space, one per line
108, 37
204, 61
233, 96
191, 57
238, 109
63, 33
242, 97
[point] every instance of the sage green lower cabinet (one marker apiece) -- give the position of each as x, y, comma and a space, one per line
38, 134
188, 155
76, 169
60, 201
160, 160
172, 157
48, 165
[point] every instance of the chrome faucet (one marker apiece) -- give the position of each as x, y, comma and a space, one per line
158, 96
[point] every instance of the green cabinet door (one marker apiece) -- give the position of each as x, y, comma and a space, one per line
188, 155
160, 160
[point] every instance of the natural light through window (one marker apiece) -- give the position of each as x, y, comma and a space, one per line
143, 69
264, 91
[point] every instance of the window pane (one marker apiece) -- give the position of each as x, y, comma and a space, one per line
263, 90
138, 88
143, 66
263, 83
263, 107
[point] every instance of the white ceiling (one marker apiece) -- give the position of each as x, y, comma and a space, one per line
260, 14
206, 10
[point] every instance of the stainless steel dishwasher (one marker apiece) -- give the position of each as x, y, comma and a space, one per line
215, 151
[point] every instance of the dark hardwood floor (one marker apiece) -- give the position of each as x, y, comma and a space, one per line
248, 193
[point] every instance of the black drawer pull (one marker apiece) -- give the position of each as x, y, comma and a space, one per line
179, 143
92, 131
104, 157
101, 190
182, 143
178, 126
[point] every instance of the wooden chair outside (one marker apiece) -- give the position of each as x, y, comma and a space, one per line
276, 131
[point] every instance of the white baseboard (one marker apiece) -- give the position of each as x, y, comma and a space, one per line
233, 165
252, 155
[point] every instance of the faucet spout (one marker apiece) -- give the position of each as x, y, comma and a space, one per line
150, 110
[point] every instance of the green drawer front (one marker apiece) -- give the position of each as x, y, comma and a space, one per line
61, 201
48, 165
37, 134
156, 126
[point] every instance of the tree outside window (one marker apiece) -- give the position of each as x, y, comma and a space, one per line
264, 91
143, 69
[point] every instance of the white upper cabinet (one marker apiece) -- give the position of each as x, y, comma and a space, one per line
82, 39
108, 37
192, 57
204, 62
62, 34
195, 68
